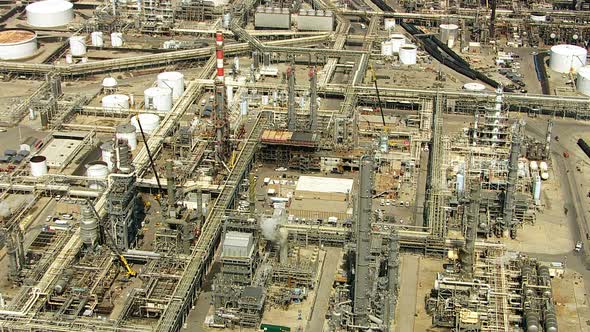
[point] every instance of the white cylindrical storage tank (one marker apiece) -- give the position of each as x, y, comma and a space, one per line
17, 44
474, 87
158, 98
448, 32
386, 48
50, 13
97, 39
264, 99
583, 80
389, 23
77, 45
537, 188
567, 58
149, 123
126, 132
98, 172
88, 226
172, 80
244, 107
115, 101
226, 20
460, 183
538, 17
408, 54
109, 83
69, 58
38, 166
116, 39
107, 150
534, 166
397, 41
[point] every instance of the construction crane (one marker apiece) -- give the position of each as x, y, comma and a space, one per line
380, 105
110, 243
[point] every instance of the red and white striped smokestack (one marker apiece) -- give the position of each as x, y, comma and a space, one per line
219, 53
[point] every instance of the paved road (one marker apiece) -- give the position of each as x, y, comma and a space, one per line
331, 260
406, 304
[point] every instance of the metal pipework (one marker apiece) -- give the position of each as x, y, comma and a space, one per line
313, 96
291, 113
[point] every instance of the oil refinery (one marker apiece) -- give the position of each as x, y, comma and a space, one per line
304, 166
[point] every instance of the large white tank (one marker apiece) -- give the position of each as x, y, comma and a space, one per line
107, 154
567, 58
115, 101
109, 83
474, 87
149, 122
537, 188
77, 45
17, 44
98, 171
126, 132
408, 54
116, 39
534, 166
448, 33
158, 98
386, 48
97, 39
397, 41
583, 80
38, 166
172, 80
50, 13
460, 183
538, 17
244, 107
389, 23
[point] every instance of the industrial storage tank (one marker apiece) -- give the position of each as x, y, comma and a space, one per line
38, 166
77, 45
397, 41
172, 80
116, 101
158, 98
583, 80
17, 44
448, 33
149, 122
538, 17
98, 171
567, 58
386, 48
116, 39
537, 188
107, 150
126, 132
389, 24
474, 87
97, 39
109, 84
408, 54
50, 13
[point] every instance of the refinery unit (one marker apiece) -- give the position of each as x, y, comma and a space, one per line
323, 165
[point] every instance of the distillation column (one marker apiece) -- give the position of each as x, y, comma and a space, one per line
313, 99
434, 215
363, 243
291, 113
468, 252
220, 119
548, 140
171, 187
508, 209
